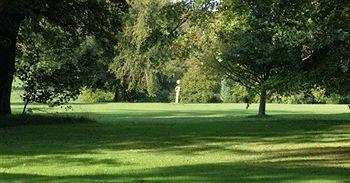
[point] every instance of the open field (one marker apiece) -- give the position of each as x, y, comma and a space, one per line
181, 143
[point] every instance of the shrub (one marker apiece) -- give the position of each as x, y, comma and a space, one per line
234, 93
338, 99
94, 96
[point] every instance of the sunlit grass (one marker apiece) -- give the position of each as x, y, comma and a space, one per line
179, 143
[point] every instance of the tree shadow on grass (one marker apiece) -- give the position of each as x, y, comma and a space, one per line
180, 135
18, 120
255, 172
188, 135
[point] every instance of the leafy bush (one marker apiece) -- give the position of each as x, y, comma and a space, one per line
235, 93
319, 95
94, 96
300, 98
314, 96
338, 99
241, 95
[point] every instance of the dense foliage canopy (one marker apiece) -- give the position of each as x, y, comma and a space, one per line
229, 50
56, 25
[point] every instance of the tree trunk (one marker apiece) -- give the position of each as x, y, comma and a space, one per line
8, 39
25, 107
262, 106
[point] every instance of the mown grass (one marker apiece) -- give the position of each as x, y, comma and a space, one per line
21, 120
178, 143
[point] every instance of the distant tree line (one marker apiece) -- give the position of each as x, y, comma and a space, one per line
134, 51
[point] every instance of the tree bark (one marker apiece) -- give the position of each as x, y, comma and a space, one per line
8, 39
262, 105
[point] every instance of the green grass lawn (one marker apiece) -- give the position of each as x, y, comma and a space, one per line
181, 143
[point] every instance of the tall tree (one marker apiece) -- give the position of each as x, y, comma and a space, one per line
146, 43
153, 40
251, 47
76, 18
270, 46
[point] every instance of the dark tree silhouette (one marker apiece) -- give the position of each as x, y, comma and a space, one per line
77, 18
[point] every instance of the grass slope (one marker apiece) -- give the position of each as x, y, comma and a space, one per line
181, 143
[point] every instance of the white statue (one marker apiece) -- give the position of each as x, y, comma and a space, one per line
177, 90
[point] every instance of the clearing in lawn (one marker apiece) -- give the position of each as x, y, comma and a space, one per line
180, 143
